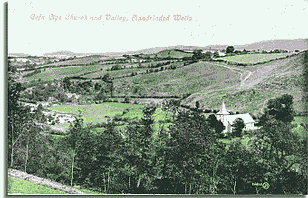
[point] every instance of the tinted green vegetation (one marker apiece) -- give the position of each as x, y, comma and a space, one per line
266, 81
96, 113
145, 149
189, 79
254, 58
115, 74
59, 73
168, 53
25, 187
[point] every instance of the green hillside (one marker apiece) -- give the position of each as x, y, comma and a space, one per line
168, 53
254, 58
267, 81
16, 186
50, 74
188, 79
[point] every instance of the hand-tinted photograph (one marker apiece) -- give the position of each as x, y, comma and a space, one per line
156, 97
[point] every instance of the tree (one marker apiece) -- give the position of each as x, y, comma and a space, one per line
280, 108
197, 104
197, 54
279, 149
216, 54
215, 124
190, 153
238, 125
126, 99
19, 121
66, 83
73, 140
229, 49
208, 55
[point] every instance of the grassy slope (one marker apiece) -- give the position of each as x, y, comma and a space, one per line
26, 187
254, 58
116, 73
188, 79
130, 67
267, 81
172, 54
60, 73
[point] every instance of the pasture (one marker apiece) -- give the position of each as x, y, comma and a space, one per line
97, 113
268, 80
168, 53
254, 58
115, 73
188, 79
59, 73
26, 187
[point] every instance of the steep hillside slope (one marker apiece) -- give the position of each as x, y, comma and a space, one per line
266, 81
188, 79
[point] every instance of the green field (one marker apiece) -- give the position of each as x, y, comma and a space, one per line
129, 70
254, 58
96, 113
168, 53
24, 187
267, 81
188, 79
116, 73
59, 73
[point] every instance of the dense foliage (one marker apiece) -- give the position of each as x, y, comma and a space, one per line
185, 156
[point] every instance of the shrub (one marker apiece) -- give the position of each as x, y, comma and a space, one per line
126, 99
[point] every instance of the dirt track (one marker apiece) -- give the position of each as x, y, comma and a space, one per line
17, 174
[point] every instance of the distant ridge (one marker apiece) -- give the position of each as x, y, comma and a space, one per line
284, 44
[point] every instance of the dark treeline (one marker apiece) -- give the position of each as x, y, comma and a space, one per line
181, 156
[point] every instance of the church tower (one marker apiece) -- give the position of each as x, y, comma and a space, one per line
222, 114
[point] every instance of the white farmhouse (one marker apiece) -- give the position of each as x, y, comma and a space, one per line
228, 120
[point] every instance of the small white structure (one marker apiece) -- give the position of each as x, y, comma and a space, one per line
228, 120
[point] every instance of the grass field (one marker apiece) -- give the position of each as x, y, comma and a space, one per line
116, 73
169, 53
254, 58
25, 187
267, 81
188, 79
60, 73
96, 113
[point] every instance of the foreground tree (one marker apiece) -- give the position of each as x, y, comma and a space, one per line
279, 149
215, 124
238, 125
74, 141
189, 149
280, 108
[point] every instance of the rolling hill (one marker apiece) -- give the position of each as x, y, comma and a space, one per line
266, 81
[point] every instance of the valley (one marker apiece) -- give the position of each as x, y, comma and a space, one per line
120, 116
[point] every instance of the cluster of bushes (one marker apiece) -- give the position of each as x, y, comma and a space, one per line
195, 109
37, 71
143, 96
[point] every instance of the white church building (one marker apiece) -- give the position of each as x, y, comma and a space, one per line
228, 120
